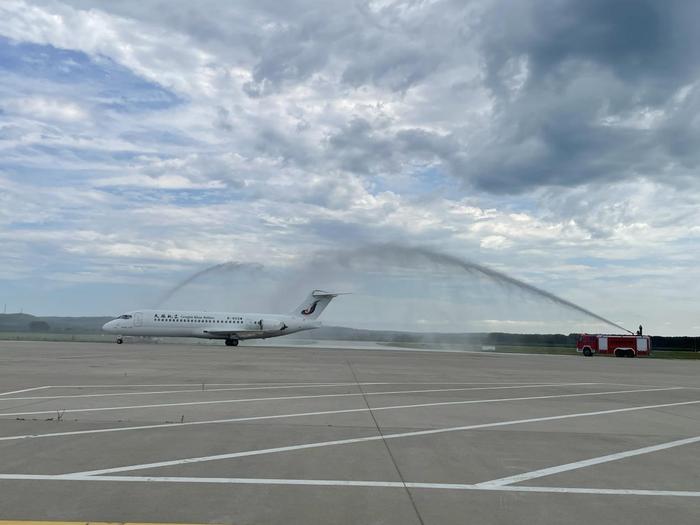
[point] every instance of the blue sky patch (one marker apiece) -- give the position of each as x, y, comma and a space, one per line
114, 86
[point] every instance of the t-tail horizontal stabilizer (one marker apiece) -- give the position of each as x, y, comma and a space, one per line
314, 304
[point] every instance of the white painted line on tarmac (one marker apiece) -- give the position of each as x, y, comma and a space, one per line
196, 390
291, 383
348, 483
600, 491
162, 385
24, 390
430, 432
206, 390
280, 398
319, 413
526, 476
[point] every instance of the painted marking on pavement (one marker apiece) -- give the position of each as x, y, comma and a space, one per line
345, 483
318, 413
31, 522
526, 476
206, 390
24, 390
365, 439
292, 383
279, 398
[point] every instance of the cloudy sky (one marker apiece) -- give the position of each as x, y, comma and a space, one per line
556, 141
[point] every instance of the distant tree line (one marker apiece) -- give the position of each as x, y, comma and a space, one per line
494, 338
20, 322
658, 342
500, 338
39, 326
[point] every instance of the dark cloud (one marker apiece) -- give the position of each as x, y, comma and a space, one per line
577, 91
635, 39
223, 119
582, 92
592, 73
356, 147
276, 145
394, 69
393, 47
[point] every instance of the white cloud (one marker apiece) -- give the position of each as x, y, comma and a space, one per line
43, 108
495, 242
164, 182
167, 59
300, 129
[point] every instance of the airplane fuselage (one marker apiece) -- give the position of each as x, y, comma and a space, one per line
208, 325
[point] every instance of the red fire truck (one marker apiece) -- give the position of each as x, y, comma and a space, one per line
614, 345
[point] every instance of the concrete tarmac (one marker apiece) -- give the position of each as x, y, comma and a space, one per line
263, 434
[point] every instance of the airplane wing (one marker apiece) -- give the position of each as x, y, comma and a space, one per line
237, 334
247, 334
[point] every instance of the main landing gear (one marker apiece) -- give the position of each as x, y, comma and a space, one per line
231, 342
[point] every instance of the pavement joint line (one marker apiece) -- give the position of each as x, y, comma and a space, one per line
24, 390
540, 473
304, 446
387, 447
348, 483
318, 413
278, 398
200, 390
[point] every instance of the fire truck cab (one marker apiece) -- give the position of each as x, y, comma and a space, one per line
614, 345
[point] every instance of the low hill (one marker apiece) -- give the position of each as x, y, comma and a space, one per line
32, 323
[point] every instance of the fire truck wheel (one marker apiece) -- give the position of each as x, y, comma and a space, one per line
587, 352
630, 353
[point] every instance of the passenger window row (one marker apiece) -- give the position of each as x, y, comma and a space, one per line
172, 320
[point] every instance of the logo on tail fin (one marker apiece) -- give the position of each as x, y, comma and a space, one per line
309, 310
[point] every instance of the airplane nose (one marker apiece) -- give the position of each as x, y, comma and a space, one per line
107, 327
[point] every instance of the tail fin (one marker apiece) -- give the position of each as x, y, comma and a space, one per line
314, 304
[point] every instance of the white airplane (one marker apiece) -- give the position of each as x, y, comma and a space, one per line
232, 327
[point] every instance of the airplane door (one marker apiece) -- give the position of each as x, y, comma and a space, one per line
138, 319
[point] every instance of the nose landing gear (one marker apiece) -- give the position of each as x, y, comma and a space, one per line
120, 340
231, 342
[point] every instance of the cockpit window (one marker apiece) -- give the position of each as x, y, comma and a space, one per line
125, 316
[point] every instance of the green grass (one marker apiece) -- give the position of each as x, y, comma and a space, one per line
557, 350
551, 350
674, 354
655, 354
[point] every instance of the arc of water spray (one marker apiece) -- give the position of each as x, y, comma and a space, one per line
223, 267
405, 253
